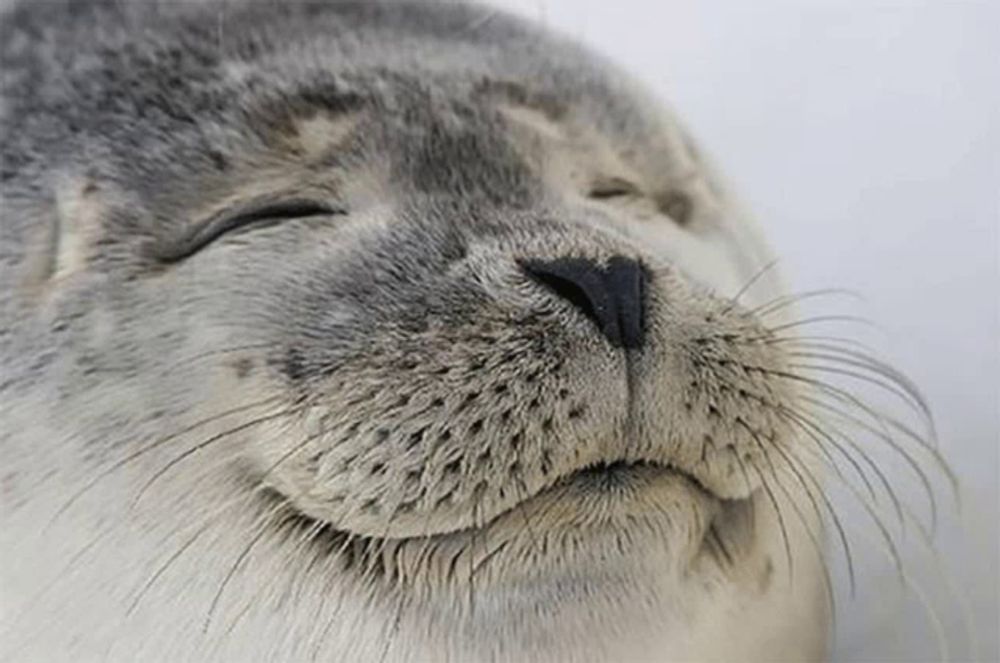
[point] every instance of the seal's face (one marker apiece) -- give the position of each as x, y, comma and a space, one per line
442, 357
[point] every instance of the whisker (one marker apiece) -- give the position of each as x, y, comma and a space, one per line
471, 556
869, 362
897, 447
187, 453
915, 401
802, 519
907, 582
882, 528
820, 319
778, 515
784, 301
843, 396
833, 514
735, 299
835, 432
812, 430
397, 620
348, 540
199, 531
238, 563
817, 547
147, 449
804, 339
220, 351
305, 540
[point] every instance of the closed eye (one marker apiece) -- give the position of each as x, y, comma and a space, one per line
612, 187
674, 204
253, 216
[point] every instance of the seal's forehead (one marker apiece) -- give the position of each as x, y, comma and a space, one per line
180, 111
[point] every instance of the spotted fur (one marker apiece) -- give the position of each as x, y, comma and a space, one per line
275, 385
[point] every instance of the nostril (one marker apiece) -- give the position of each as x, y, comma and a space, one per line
588, 298
611, 296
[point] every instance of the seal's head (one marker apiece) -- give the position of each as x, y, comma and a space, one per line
351, 331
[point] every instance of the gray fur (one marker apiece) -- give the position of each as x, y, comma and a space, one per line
383, 366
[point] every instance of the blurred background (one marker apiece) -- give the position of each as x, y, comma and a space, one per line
865, 134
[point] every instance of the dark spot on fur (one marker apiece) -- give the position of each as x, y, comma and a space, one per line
546, 464
515, 440
294, 366
219, 160
242, 367
469, 399
677, 205
415, 438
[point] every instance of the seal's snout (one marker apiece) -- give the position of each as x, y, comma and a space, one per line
611, 295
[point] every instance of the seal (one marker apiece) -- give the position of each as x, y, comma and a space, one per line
384, 331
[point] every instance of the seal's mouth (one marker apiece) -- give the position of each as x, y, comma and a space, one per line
622, 490
611, 476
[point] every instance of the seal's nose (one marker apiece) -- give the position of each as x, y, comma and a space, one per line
611, 295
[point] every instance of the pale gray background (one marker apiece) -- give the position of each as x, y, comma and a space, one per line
864, 133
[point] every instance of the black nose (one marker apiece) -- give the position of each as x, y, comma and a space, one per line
610, 295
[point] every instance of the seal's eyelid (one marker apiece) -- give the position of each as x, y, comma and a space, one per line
612, 187
256, 215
